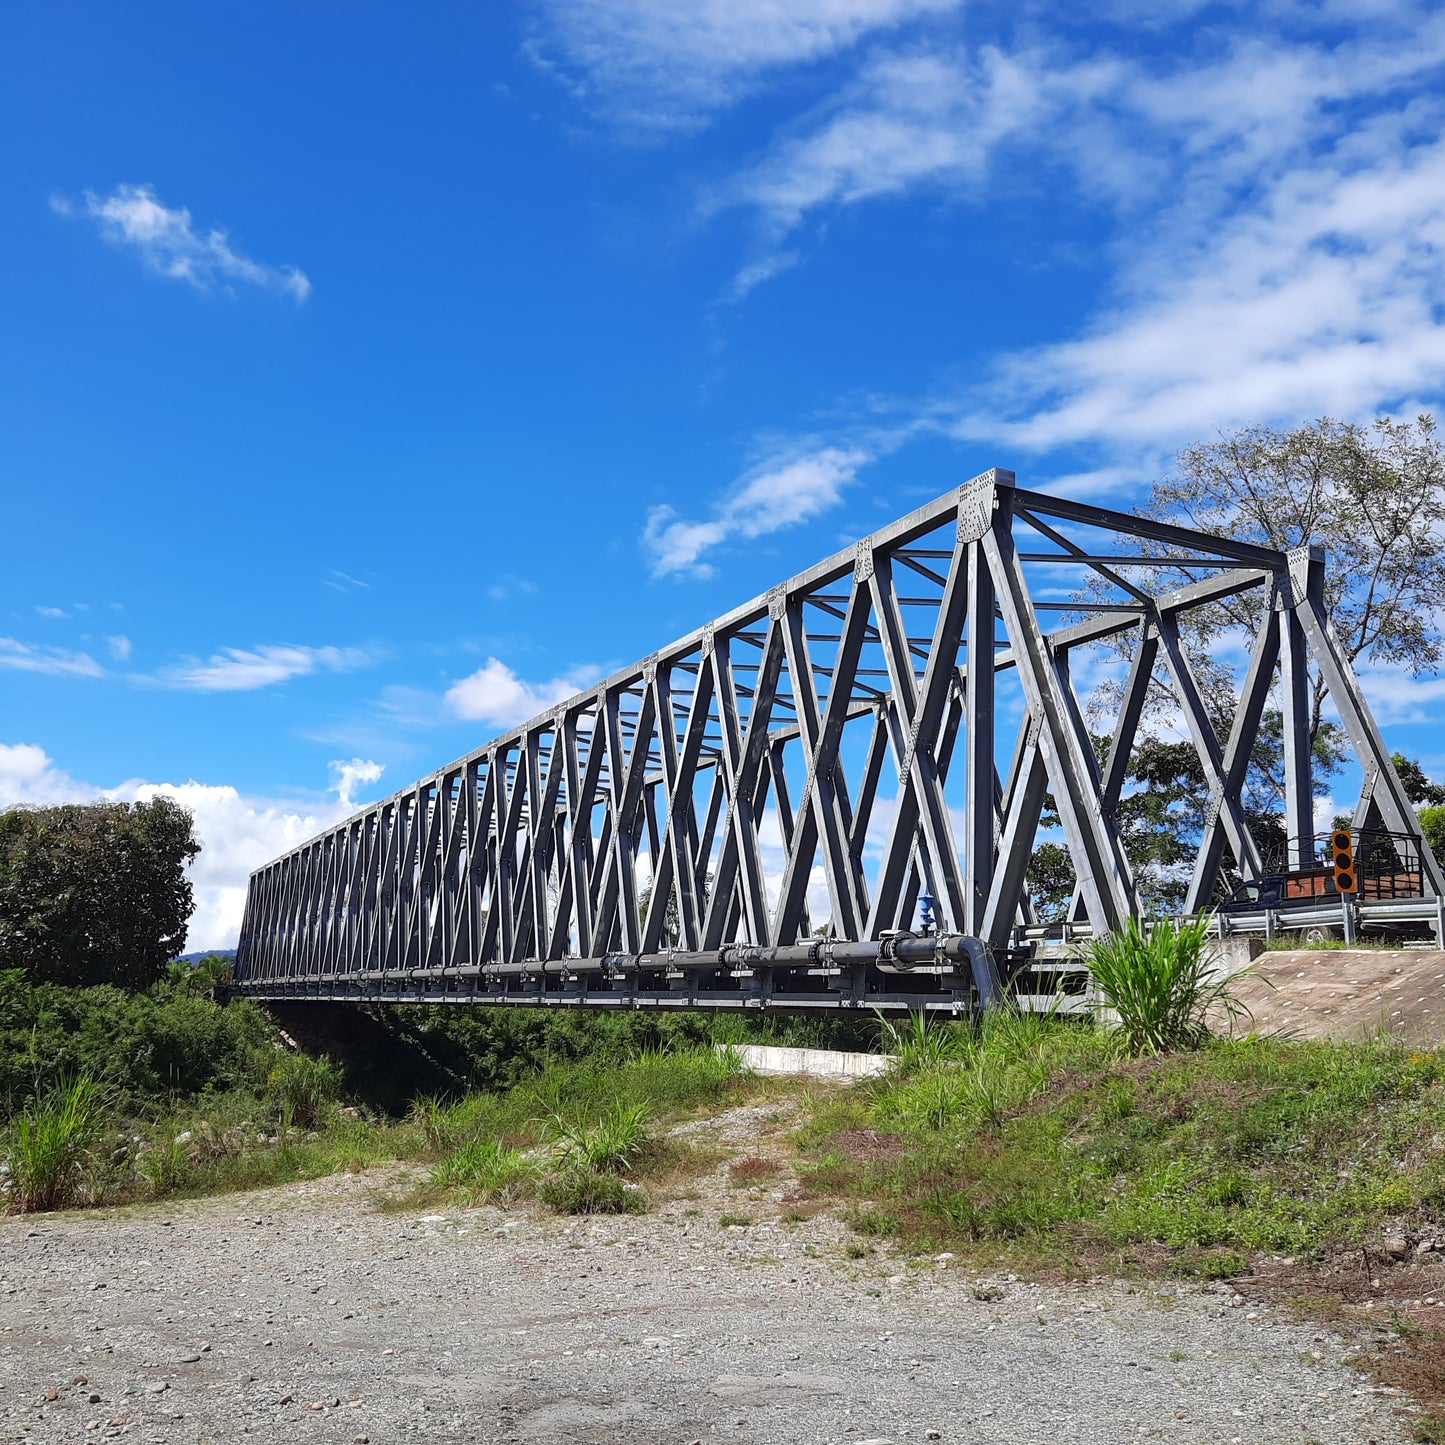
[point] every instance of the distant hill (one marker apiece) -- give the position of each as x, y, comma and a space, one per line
206, 953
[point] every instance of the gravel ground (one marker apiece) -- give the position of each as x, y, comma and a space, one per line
304, 1313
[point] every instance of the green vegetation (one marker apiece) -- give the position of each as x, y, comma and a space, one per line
146, 1049
49, 1144
552, 1138
95, 894
1160, 982
1045, 1138
303, 1088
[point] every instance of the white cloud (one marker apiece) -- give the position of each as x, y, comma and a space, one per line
52, 612
58, 661
1397, 697
169, 244
909, 120
347, 774
777, 495
237, 833
120, 647
1323, 300
27, 775
236, 669
658, 65
495, 694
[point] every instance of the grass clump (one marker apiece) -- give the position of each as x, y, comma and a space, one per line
303, 1088
607, 1144
49, 1144
579, 1189
486, 1170
576, 1151
1161, 981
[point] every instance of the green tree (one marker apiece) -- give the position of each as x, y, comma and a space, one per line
1050, 881
1419, 788
96, 893
1373, 497
1432, 824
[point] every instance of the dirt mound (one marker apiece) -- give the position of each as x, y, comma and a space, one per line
1348, 994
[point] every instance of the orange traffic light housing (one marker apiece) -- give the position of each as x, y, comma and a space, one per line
1342, 843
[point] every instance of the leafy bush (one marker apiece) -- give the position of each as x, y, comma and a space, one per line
303, 1087
48, 1145
1161, 980
139, 1046
580, 1190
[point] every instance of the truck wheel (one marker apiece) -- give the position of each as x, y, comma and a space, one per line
1322, 933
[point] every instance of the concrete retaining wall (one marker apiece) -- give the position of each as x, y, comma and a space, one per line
813, 1063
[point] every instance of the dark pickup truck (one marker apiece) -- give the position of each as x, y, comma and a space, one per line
1315, 887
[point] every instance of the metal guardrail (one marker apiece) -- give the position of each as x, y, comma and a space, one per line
1351, 918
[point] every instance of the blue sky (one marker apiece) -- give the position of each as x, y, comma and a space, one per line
371, 377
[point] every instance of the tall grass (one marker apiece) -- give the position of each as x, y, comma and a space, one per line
486, 1170
608, 1143
920, 1044
303, 1088
48, 1145
1161, 981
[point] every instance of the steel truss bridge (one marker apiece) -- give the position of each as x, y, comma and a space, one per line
751, 817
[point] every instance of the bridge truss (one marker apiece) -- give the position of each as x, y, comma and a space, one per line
753, 816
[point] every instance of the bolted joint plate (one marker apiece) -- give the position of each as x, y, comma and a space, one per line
1305, 563
975, 508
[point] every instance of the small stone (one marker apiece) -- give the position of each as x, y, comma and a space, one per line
157, 1387
314, 1405
1396, 1246
933, 1434
93, 1398
189, 1359
80, 1380
52, 1394
360, 1440
285, 1399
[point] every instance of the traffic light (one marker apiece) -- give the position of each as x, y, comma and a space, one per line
1343, 844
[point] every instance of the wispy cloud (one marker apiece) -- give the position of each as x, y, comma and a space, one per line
52, 612
508, 586
1276, 205
344, 582
779, 494
120, 647
495, 694
347, 774
1323, 299
169, 244
656, 66
58, 661
236, 669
